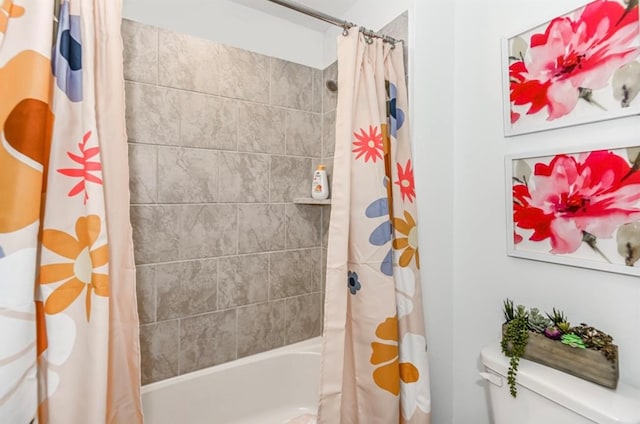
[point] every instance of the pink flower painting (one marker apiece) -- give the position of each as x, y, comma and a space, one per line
581, 65
567, 202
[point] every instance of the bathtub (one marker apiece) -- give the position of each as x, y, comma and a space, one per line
273, 387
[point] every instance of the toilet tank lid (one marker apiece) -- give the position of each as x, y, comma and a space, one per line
602, 405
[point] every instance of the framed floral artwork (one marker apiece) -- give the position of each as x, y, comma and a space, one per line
580, 209
577, 68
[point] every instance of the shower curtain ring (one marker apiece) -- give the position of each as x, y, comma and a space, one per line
345, 29
369, 36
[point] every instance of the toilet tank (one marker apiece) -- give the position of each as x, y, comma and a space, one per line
546, 395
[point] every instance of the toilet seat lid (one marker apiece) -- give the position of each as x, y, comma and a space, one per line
602, 405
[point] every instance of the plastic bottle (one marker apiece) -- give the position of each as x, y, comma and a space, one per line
320, 185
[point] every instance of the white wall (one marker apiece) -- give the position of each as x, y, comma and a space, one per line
482, 273
233, 24
431, 85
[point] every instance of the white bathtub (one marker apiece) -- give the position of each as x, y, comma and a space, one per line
268, 388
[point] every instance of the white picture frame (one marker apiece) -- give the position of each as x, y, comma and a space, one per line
541, 227
546, 83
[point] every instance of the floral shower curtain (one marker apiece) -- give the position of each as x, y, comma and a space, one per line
68, 322
374, 362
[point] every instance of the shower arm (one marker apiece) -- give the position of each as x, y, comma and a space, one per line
332, 20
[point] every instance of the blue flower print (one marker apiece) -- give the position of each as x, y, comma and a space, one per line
352, 282
66, 59
383, 233
396, 115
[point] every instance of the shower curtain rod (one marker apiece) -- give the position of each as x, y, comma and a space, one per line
332, 20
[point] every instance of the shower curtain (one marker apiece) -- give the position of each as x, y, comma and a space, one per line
374, 361
68, 321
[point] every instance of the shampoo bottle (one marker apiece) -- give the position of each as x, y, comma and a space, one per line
320, 186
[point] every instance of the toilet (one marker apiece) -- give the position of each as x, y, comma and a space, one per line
549, 396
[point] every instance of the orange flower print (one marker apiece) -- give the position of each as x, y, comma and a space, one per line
78, 273
9, 10
368, 144
388, 375
409, 243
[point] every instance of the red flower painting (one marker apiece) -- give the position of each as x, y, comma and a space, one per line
368, 144
576, 198
573, 58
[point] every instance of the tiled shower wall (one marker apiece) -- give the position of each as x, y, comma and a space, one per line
221, 140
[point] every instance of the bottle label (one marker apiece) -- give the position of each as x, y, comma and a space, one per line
317, 182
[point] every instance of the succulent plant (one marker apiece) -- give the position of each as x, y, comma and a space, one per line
553, 333
559, 320
565, 327
596, 339
514, 340
537, 321
508, 310
573, 340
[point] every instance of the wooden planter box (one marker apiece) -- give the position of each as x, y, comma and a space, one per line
588, 364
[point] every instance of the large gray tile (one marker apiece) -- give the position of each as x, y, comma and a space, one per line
326, 221
243, 74
143, 173
399, 29
291, 84
244, 178
140, 45
261, 128
303, 317
187, 175
318, 87
208, 121
260, 327
304, 133
330, 98
146, 293
243, 280
260, 228
303, 226
328, 134
207, 340
208, 231
159, 349
293, 273
156, 233
188, 62
186, 288
290, 178
152, 114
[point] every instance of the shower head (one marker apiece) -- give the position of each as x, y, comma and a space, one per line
332, 85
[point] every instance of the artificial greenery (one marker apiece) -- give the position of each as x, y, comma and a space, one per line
537, 321
573, 340
596, 339
514, 340
519, 321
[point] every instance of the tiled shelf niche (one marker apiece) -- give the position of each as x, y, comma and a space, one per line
311, 201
